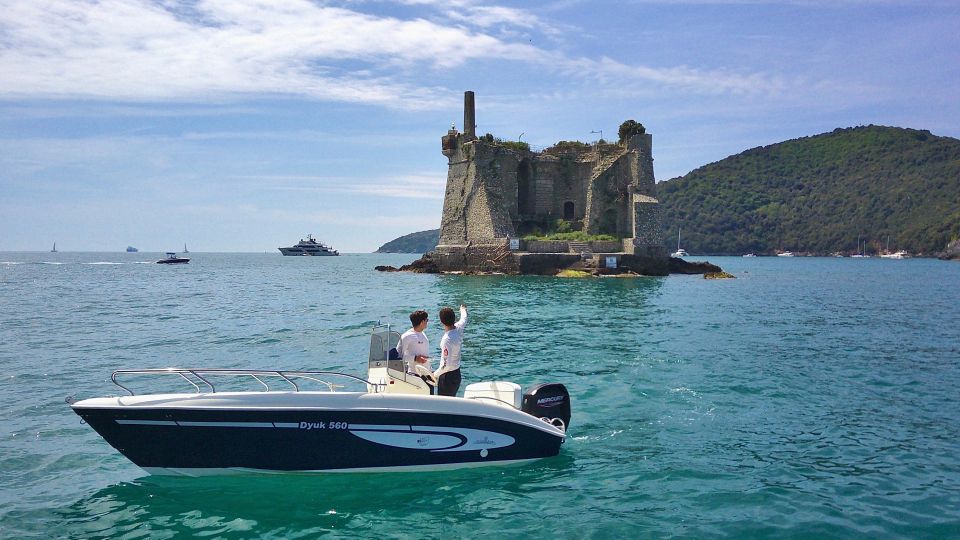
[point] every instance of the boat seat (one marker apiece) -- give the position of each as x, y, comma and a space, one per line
503, 393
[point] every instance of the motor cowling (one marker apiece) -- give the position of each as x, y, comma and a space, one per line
548, 400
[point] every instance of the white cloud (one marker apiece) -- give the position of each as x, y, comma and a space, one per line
132, 49
408, 186
802, 3
606, 70
143, 51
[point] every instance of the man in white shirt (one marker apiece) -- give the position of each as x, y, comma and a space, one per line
451, 344
414, 347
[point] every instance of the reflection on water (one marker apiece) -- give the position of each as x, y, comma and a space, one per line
292, 505
540, 329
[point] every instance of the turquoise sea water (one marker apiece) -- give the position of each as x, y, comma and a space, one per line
807, 398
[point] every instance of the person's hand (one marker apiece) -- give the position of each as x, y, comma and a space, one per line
420, 359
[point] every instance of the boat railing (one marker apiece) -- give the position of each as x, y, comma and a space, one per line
496, 400
201, 377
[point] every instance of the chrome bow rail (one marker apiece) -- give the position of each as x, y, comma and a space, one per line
195, 376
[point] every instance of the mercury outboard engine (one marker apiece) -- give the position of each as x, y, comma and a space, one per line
549, 401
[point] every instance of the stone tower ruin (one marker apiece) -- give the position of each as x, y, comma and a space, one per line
499, 192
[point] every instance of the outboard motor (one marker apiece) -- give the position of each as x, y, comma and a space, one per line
549, 401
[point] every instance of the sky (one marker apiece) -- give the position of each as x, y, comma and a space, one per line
242, 126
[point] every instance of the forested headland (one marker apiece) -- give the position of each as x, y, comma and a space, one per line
418, 242
817, 194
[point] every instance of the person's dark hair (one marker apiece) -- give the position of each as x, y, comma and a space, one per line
418, 317
447, 317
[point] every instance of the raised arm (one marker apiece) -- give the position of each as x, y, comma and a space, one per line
463, 317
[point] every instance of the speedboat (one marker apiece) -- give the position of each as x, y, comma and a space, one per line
309, 248
173, 259
785, 254
391, 422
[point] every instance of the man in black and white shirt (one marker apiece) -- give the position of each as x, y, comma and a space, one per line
414, 347
451, 344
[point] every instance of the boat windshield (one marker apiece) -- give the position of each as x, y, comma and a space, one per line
382, 340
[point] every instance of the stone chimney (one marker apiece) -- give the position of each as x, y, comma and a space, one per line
469, 117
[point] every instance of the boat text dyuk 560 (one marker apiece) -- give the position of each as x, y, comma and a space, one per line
391, 423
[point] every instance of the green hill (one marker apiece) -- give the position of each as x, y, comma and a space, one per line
816, 194
418, 242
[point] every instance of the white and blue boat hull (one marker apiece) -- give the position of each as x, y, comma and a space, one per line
217, 433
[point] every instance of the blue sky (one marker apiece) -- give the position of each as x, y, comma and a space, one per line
235, 125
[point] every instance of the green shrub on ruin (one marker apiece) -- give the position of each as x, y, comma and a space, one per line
564, 147
629, 129
574, 236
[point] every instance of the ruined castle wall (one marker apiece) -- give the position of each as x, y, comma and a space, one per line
546, 246
508, 169
488, 257
568, 176
453, 223
643, 145
545, 173
474, 208
487, 213
647, 229
609, 195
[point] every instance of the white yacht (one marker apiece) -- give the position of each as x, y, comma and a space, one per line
309, 248
785, 254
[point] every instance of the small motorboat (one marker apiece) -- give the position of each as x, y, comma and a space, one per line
390, 423
173, 259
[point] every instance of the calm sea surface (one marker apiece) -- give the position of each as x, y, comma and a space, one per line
807, 398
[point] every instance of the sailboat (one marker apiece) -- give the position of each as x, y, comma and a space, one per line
185, 248
680, 251
902, 254
860, 250
54, 250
